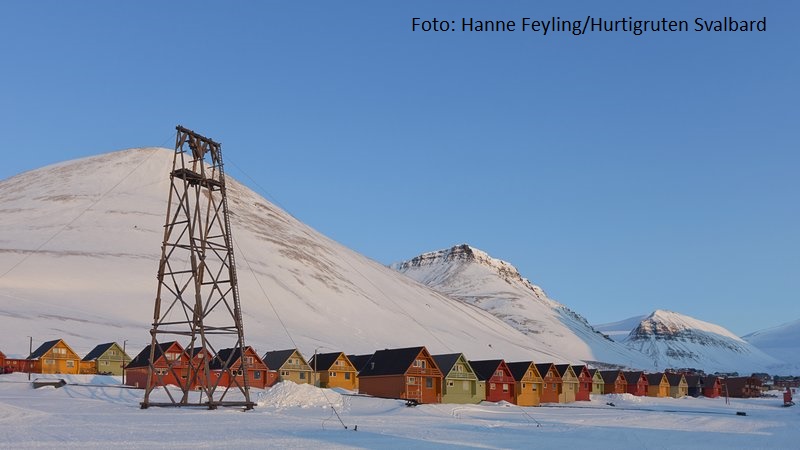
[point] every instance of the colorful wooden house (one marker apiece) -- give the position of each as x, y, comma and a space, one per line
569, 383
170, 366
597, 382
500, 384
712, 386
2, 362
742, 387
403, 373
333, 370
258, 374
290, 364
105, 359
636, 382
359, 362
197, 357
528, 383
694, 385
55, 357
551, 383
459, 382
18, 365
678, 387
584, 383
614, 382
657, 385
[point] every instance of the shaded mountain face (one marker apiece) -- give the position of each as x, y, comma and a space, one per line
80, 246
781, 342
475, 278
619, 330
675, 340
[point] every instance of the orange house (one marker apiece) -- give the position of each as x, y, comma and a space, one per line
170, 366
614, 382
55, 357
551, 382
584, 383
258, 375
333, 370
657, 385
403, 373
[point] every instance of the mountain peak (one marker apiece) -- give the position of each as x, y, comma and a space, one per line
666, 323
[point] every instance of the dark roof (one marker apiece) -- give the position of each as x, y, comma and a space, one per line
562, 369
39, 352
674, 379
323, 361
592, 372
395, 361
359, 361
711, 379
233, 355
518, 369
485, 369
694, 380
543, 368
97, 351
446, 362
143, 358
578, 369
632, 376
277, 358
609, 376
194, 351
654, 378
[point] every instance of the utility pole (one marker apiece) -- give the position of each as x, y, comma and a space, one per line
30, 352
122, 364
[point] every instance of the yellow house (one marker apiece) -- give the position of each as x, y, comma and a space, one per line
569, 383
529, 383
333, 370
597, 382
55, 357
290, 365
657, 385
678, 387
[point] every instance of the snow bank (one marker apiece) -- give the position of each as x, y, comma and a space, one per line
288, 394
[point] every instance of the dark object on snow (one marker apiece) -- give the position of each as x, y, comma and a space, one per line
610, 404
741, 413
43, 383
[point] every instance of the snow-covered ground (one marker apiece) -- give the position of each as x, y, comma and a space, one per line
101, 415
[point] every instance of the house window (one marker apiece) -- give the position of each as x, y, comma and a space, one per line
428, 382
332, 374
419, 363
237, 372
161, 371
112, 352
492, 386
505, 387
60, 351
249, 360
411, 380
498, 373
302, 375
49, 361
257, 375
523, 385
70, 363
458, 368
172, 356
104, 363
450, 384
545, 385
284, 373
534, 387
347, 375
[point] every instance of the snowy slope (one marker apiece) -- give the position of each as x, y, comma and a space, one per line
781, 342
496, 286
619, 330
675, 340
80, 245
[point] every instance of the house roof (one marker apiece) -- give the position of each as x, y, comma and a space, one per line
143, 358
632, 376
324, 361
395, 361
695, 380
519, 368
277, 358
446, 362
711, 379
592, 372
359, 361
97, 351
543, 368
484, 369
610, 376
44, 348
562, 369
674, 378
578, 369
654, 378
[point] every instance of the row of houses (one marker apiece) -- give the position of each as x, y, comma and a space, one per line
407, 373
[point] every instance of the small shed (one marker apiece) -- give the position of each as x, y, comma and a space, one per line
404, 373
584, 383
459, 382
551, 382
333, 370
528, 383
290, 364
678, 387
657, 385
500, 384
614, 382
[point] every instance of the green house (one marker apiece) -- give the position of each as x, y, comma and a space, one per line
460, 384
105, 359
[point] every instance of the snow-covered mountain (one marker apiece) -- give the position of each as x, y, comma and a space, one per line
619, 330
781, 342
474, 277
79, 250
675, 340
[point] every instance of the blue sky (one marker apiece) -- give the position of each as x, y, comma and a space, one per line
621, 173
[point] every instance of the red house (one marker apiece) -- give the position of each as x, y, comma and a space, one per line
584, 383
2, 362
712, 386
499, 380
170, 366
637, 383
614, 382
551, 383
197, 357
743, 387
403, 373
258, 374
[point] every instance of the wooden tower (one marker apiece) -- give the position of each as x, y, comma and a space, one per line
197, 300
